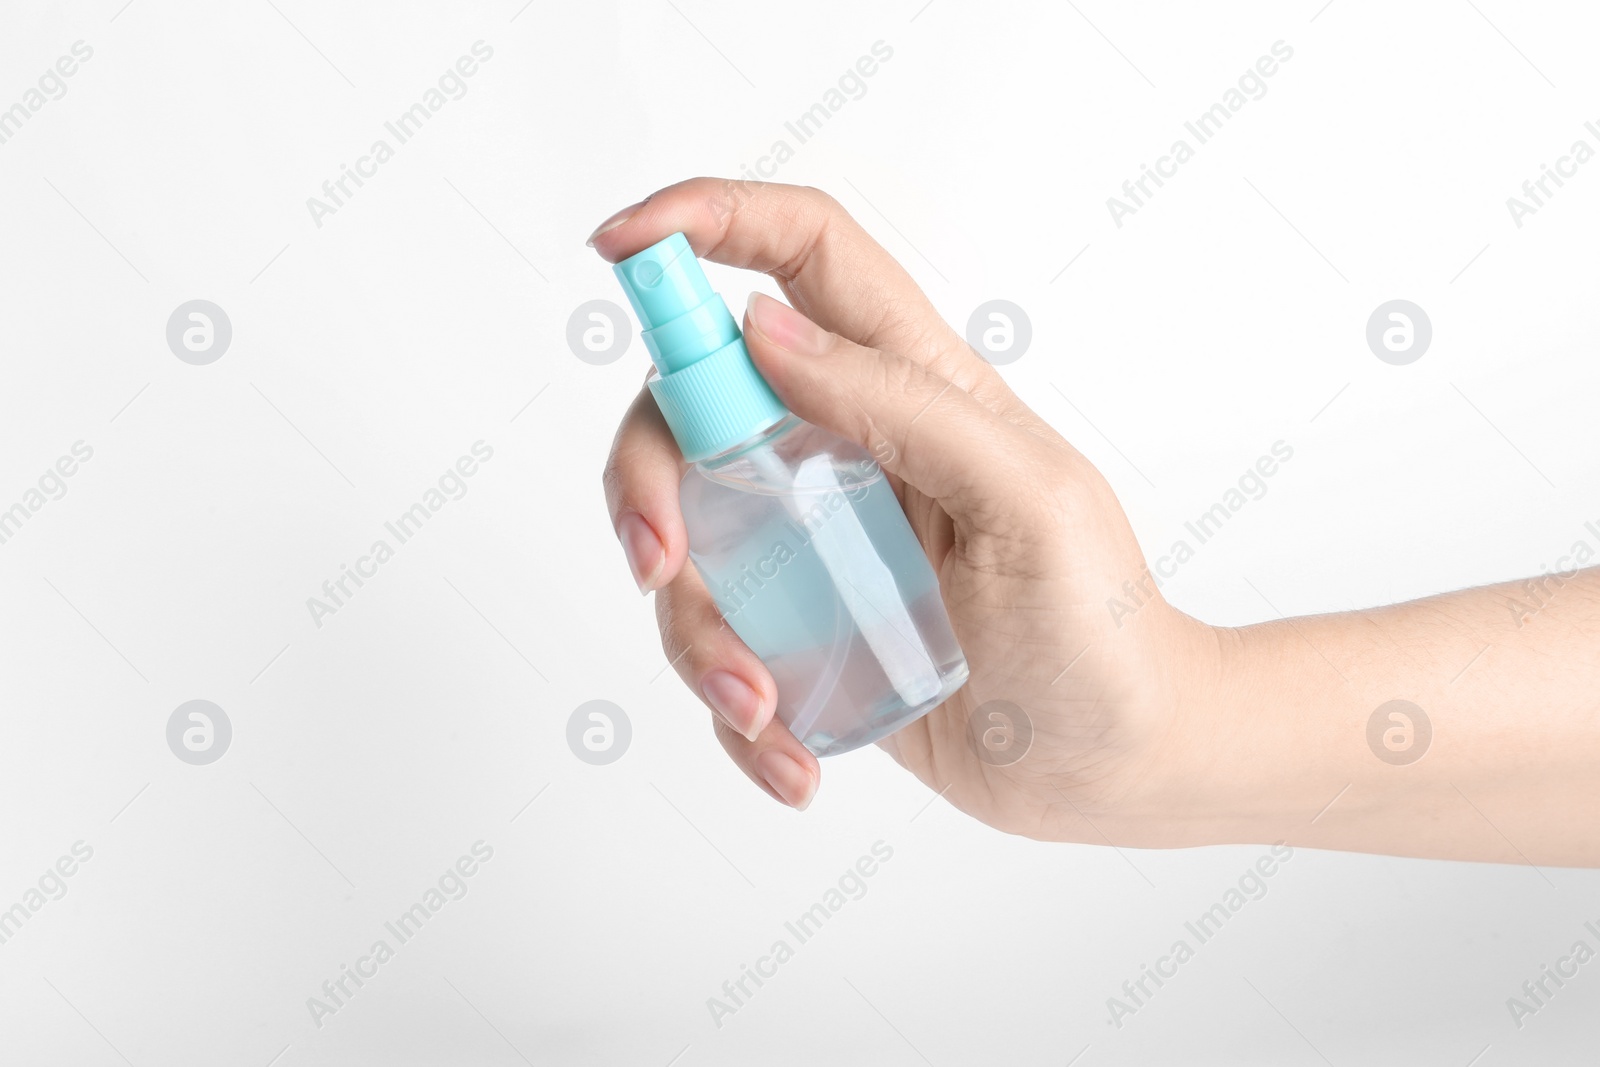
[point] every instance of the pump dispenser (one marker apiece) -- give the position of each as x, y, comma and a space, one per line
795, 531
708, 390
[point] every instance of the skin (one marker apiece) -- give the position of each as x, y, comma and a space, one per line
1152, 729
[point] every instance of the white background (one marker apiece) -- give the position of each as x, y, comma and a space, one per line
369, 353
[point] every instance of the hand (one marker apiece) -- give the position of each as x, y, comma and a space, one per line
1027, 539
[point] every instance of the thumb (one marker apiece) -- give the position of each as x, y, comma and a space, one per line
921, 427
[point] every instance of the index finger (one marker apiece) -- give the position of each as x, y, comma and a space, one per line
827, 265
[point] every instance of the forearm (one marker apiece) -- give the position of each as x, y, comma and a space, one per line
1509, 685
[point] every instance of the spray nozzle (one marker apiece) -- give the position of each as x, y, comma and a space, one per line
684, 320
707, 388
664, 281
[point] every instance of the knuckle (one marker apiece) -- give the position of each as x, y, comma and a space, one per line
633, 467
822, 200
912, 378
693, 634
622, 477
1064, 500
612, 484
676, 639
727, 736
726, 198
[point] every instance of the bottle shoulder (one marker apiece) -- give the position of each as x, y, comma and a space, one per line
789, 460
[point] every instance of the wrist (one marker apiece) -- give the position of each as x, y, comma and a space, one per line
1243, 762
1194, 783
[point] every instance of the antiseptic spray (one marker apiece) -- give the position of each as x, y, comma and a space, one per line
794, 530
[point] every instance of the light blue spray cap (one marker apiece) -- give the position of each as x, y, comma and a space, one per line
707, 388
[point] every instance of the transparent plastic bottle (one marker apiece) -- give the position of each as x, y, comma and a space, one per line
795, 531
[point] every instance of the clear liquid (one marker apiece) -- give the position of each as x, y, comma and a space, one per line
827, 584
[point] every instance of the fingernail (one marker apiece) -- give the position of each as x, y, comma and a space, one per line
783, 325
737, 703
787, 778
643, 548
614, 221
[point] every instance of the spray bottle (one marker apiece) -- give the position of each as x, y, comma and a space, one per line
795, 531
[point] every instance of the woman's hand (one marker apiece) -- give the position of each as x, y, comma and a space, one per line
1147, 729
1028, 540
